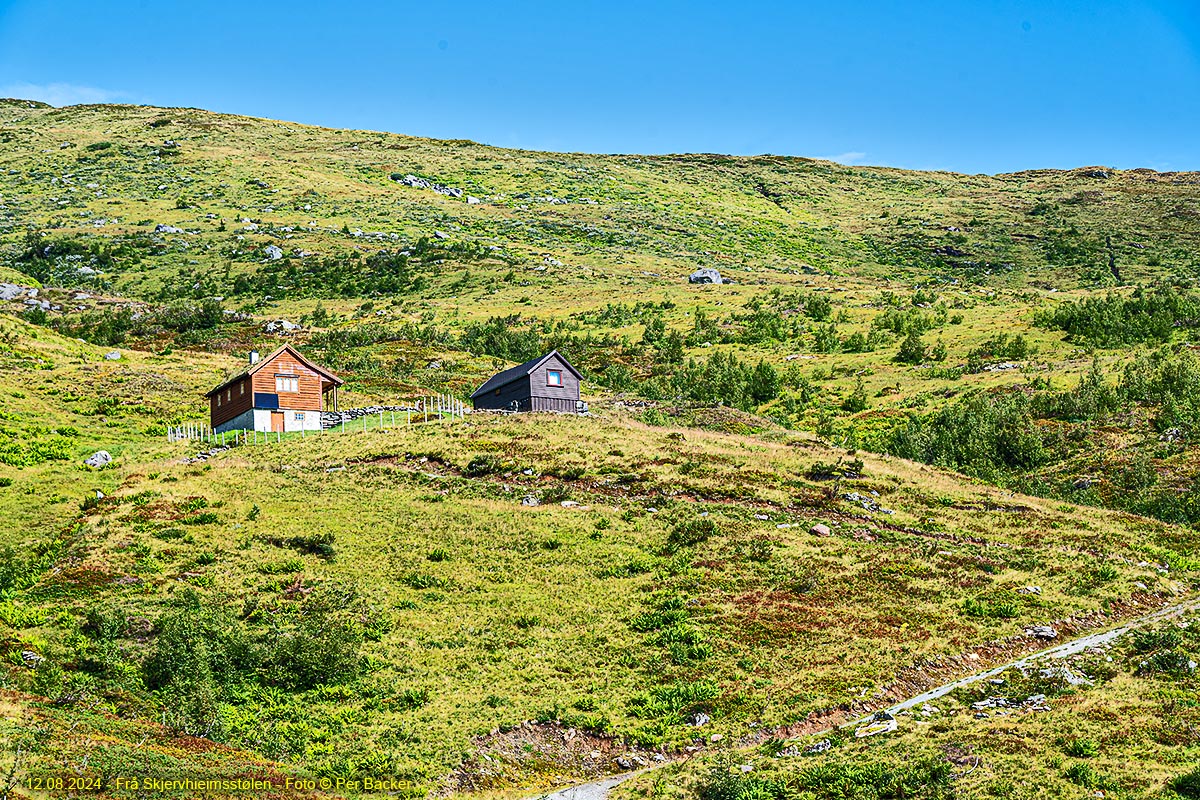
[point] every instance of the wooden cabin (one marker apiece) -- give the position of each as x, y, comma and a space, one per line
547, 383
283, 392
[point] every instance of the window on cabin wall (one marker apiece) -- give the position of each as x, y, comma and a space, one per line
228, 395
287, 383
242, 388
299, 415
553, 377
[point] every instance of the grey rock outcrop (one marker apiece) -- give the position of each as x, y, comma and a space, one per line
705, 275
10, 291
98, 459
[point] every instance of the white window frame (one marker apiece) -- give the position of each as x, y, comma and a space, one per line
298, 416
551, 374
283, 382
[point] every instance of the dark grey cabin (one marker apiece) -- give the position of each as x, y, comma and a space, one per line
547, 383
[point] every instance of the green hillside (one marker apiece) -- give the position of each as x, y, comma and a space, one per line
382, 602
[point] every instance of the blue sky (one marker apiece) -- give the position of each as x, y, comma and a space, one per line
970, 86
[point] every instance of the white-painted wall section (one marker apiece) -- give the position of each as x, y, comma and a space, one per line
259, 419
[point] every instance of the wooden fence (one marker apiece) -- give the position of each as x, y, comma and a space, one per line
424, 409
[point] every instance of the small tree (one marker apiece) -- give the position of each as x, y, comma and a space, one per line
763, 385
857, 401
912, 349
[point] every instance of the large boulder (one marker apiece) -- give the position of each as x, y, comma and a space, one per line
1041, 632
98, 459
280, 326
10, 291
273, 252
705, 275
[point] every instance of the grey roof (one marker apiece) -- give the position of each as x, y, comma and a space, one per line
506, 377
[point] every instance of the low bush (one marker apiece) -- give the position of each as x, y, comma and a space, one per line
1147, 315
484, 464
997, 606
316, 544
1081, 748
675, 699
1188, 784
690, 534
924, 778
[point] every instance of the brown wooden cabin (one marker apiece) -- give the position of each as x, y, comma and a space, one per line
282, 392
547, 383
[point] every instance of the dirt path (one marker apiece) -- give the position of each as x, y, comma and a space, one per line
594, 790
1064, 650
598, 790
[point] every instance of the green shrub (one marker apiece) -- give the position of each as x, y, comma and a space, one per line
412, 698
289, 567
912, 349
424, 580
1147, 641
321, 646
856, 401
1174, 663
1188, 784
654, 620
1081, 748
628, 569
998, 606
1082, 774
1147, 315
198, 650
674, 699
316, 544
691, 533
483, 465
556, 494
923, 778
823, 471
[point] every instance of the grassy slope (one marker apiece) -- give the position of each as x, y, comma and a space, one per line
654, 220
530, 613
1128, 733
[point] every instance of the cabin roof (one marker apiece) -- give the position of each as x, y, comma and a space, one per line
334, 379
502, 379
